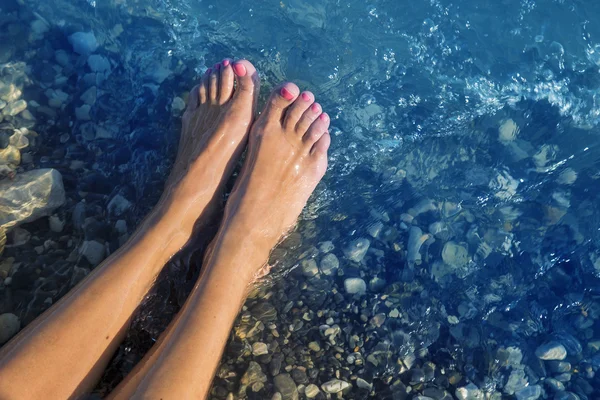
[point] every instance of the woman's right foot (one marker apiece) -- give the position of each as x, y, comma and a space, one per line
286, 159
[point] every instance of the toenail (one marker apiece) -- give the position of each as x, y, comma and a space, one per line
225, 62
239, 69
324, 117
286, 94
316, 107
305, 97
208, 71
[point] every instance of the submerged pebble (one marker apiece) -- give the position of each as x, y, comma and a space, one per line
9, 326
551, 351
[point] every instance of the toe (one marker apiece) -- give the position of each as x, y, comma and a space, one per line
317, 129
309, 116
194, 98
247, 82
226, 81
213, 84
297, 109
279, 101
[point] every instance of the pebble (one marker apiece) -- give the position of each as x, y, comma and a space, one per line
311, 391
334, 386
529, 393
309, 268
355, 286
357, 249
551, 351
314, 346
89, 96
253, 374
559, 367
9, 326
326, 247
98, 63
286, 386
469, 392
14, 108
118, 205
259, 348
554, 385
31, 195
83, 43
83, 113
178, 105
329, 264
361, 383
56, 224
93, 251
566, 396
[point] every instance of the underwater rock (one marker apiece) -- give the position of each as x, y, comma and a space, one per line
90, 95
504, 185
335, 386
469, 392
508, 131
56, 224
9, 93
329, 264
177, 105
455, 255
551, 351
286, 386
357, 249
83, 43
309, 268
2, 239
9, 326
355, 286
83, 113
93, 251
31, 195
567, 177
416, 239
118, 205
529, 393
14, 108
259, 349
311, 391
98, 64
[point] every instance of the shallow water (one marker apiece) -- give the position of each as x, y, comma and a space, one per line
461, 186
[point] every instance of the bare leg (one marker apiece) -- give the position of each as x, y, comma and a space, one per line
63, 353
286, 159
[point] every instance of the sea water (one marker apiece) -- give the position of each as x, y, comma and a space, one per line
450, 252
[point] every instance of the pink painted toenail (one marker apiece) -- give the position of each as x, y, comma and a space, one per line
286, 94
305, 97
324, 117
226, 62
239, 69
208, 71
316, 107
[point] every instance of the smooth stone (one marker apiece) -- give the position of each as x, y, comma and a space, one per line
56, 224
39, 27
469, 392
253, 374
554, 385
83, 43
259, 349
19, 140
362, 384
516, 381
309, 268
355, 286
357, 249
177, 105
93, 251
335, 386
455, 255
9, 326
558, 367
314, 346
286, 386
529, 393
90, 96
98, 63
118, 205
62, 58
2, 239
83, 113
551, 351
311, 391
326, 247
31, 195
121, 226
10, 156
14, 108
329, 264
9, 93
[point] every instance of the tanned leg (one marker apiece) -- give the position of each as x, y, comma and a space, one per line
287, 157
63, 353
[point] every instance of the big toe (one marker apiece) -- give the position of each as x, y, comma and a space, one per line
279, 101
247, 81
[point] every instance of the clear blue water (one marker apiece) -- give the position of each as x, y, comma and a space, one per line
475, 122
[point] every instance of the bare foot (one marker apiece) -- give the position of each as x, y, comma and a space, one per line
287, 157
215, 129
